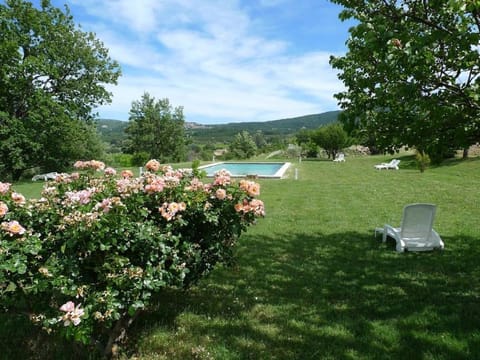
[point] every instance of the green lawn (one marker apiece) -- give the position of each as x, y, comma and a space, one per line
312, 282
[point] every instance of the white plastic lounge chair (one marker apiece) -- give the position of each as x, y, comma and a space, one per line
45, 177
340, 157
386, 166
416, 229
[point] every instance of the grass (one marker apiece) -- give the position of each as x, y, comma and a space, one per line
312, 282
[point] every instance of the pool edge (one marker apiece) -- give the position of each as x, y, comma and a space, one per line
278, 175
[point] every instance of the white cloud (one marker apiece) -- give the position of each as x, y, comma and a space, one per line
210, 59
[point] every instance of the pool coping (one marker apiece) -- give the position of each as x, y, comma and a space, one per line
278, 175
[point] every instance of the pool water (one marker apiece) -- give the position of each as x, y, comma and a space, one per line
240, 169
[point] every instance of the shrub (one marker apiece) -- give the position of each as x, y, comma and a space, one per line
123, 160
139, 158
86, 258
423, 160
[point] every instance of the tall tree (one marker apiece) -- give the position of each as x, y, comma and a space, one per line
259, 138
52, 75
156, 129
331, 137
243, 146
304, 138
412, 73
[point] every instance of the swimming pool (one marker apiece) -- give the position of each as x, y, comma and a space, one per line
242, 169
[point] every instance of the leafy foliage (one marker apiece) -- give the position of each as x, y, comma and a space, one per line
157, 129
52, 75
412, 73
331, 137
243, 146
423, 161
304, 138
88, 256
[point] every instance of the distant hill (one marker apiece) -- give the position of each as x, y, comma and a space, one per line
112, 131
282, 127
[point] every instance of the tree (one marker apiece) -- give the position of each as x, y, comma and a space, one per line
259, 138
412, 73
52, 75
243, 146
156, 129
332, 138
304, 138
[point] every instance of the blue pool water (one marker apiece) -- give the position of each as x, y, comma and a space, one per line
260, 169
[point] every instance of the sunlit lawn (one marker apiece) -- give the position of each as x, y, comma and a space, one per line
312, 282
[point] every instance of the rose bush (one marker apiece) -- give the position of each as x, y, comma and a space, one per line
88, 256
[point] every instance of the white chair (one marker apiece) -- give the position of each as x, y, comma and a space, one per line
416, 229
340, 157
386, 166
45, 177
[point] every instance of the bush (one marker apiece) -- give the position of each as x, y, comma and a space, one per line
423, 160
87, 258
123, 160
140, 158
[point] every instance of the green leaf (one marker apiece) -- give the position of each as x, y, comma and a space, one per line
11, 287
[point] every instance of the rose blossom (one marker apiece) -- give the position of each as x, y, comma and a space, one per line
110, 171
250, 187
126, 174
257, 207
222, 177
3, 208
169, 210
238, 207
4, 188
195, 184
221, 194
44, 271
108, 203
152, 165
93, 164
80, 197
105, 205
156, 185
79, 164
72, 313
13, 227
97, 165
18, 199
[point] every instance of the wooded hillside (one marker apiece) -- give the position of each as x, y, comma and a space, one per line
112, 131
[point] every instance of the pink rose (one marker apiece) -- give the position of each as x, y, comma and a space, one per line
221, 194
13, 227
152, 165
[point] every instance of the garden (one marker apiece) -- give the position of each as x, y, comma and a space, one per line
310, 280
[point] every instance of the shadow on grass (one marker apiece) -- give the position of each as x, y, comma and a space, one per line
458, 161
19, 339
298, 296
409, 162
334, 296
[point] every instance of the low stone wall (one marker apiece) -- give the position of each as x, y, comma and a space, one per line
474, 150
357, 150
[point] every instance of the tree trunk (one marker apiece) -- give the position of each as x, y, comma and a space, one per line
16, 175
118, 333
465, 153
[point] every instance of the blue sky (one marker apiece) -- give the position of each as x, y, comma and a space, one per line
222, 60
